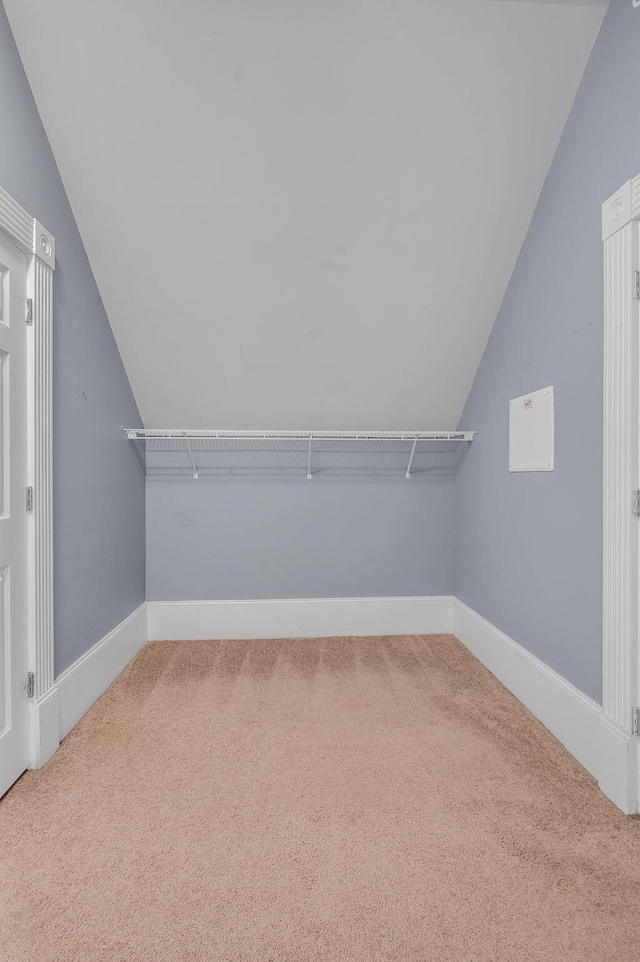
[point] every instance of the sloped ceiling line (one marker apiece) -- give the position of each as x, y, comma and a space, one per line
303, 215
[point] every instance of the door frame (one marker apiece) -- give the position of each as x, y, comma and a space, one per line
619, 749
28, 234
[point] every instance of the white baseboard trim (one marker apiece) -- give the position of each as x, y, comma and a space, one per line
299, 618
80, 686
570, 715
608, 753
44, 728
618, 766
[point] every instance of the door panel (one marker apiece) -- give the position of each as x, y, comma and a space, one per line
13, 517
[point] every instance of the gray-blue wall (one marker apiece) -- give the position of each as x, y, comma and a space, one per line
99, 513
529, 546
215, 539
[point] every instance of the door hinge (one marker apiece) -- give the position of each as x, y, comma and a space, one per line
635, 504
635, 721
29, 498
636, 285
31, 684
28, 316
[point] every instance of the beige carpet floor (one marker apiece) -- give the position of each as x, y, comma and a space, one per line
345, 799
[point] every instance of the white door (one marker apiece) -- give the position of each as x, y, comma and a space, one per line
14, 729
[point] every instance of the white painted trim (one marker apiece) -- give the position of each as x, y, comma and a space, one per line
40, 474
618, 766
80, 686
299, 618
569, 714
30, 236
16, 223
577, 721
621, 477
25, 232
44, 728
621, 208
44, 245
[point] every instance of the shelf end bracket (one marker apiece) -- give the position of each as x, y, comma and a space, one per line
413, 451
193, 463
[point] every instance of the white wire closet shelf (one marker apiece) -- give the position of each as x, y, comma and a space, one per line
177, 453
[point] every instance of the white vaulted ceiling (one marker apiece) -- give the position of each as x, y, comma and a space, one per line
303, 214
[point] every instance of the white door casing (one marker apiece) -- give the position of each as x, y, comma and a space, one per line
618, 754
36, 245
14, 709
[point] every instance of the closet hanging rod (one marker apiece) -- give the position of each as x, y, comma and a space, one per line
326, 453
149, 434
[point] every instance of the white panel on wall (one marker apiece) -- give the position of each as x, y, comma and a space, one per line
531, 432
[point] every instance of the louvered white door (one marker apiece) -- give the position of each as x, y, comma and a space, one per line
14, 730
